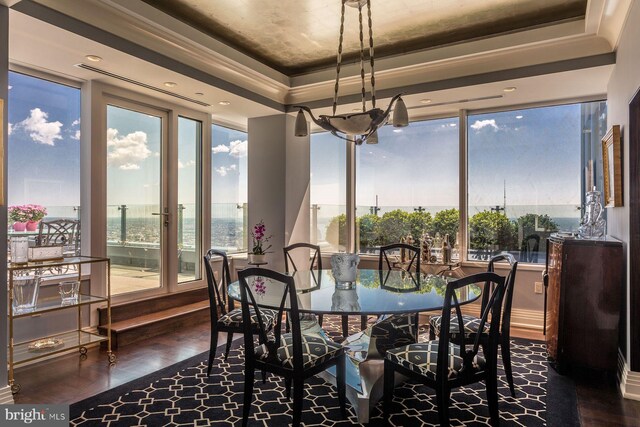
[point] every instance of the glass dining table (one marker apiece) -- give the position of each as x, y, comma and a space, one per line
387, 294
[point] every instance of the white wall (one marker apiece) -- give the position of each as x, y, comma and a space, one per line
278, 181
624, 82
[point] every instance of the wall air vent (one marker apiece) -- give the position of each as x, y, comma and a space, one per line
459, 101
144, 85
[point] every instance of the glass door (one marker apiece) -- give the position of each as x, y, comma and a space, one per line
137, 213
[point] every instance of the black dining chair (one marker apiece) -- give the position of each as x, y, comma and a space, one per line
385, 262
443, 365
224, 318
293, 356
471, 324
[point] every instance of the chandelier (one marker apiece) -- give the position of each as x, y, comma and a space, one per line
361, 126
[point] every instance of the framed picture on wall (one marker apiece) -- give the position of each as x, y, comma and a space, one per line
612, 167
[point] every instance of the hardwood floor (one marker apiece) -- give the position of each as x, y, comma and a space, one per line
67, 379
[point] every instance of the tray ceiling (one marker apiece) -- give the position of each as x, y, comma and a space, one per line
299, 36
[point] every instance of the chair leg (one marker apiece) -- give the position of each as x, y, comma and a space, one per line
363, 322
226, 350
389, 385
506, 362
287, 388
442, 399
340, 382
298, 400
345, 326
248, 393
492, 397
320, 319
212, 349
416, 325
287, 327
432, 333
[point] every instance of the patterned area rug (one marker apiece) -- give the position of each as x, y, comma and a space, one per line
182, 394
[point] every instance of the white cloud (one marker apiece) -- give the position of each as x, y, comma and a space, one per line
10, 128
182, 165
232, 167
76, 135
75, 122
222, 171
220, 149
40, 130
126, 152
238, 148
10, 87
235, 148
479, 124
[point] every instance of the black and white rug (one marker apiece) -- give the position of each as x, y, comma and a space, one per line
182, 395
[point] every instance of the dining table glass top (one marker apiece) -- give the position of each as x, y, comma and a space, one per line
374, 292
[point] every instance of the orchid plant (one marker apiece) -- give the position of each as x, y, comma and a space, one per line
26, 213
259, 239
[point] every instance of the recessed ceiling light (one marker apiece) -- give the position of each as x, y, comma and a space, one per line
224, 103
170, 84
199, 94
509, 89
425, 101
397, 130
93, 58
518, 117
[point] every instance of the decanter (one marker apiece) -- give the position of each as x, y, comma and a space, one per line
592, 225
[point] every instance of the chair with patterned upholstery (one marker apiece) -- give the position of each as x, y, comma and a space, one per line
413, 268
444, 365
224, 318
293, 356
471, 323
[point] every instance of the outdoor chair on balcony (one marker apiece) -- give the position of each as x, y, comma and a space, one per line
443, 364
64, 232
224, 318
471, 324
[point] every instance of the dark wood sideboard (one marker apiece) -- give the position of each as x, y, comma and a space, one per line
583, 297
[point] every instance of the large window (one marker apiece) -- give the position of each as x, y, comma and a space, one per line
328, 192
44, 145
228, 189
407, 184
525, 180
525, 170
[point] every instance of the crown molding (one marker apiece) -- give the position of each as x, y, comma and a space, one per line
145, 26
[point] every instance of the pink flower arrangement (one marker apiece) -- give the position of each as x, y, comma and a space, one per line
257, 234
259, 286
26, 213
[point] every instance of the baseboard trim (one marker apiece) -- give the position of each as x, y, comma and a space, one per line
6, 397
629, 380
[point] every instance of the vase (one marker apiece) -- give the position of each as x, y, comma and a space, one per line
19, 226
32, 225
344, 268
257, 258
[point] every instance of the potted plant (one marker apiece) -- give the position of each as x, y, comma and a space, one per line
26, 217
258, 252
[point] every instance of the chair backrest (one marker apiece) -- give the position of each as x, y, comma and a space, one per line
493, 285
315, 257
64, 232
281, 288
509, 286
530, 248
217, 293
413, 251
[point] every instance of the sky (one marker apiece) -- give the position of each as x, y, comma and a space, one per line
534, 154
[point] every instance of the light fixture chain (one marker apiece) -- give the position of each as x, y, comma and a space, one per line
373, 78
339, 59
364, 97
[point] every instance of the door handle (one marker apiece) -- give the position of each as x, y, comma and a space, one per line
165, 215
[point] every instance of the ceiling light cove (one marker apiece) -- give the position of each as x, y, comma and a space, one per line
510, 89
170, 84
94, 58
425, 101
224, 103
